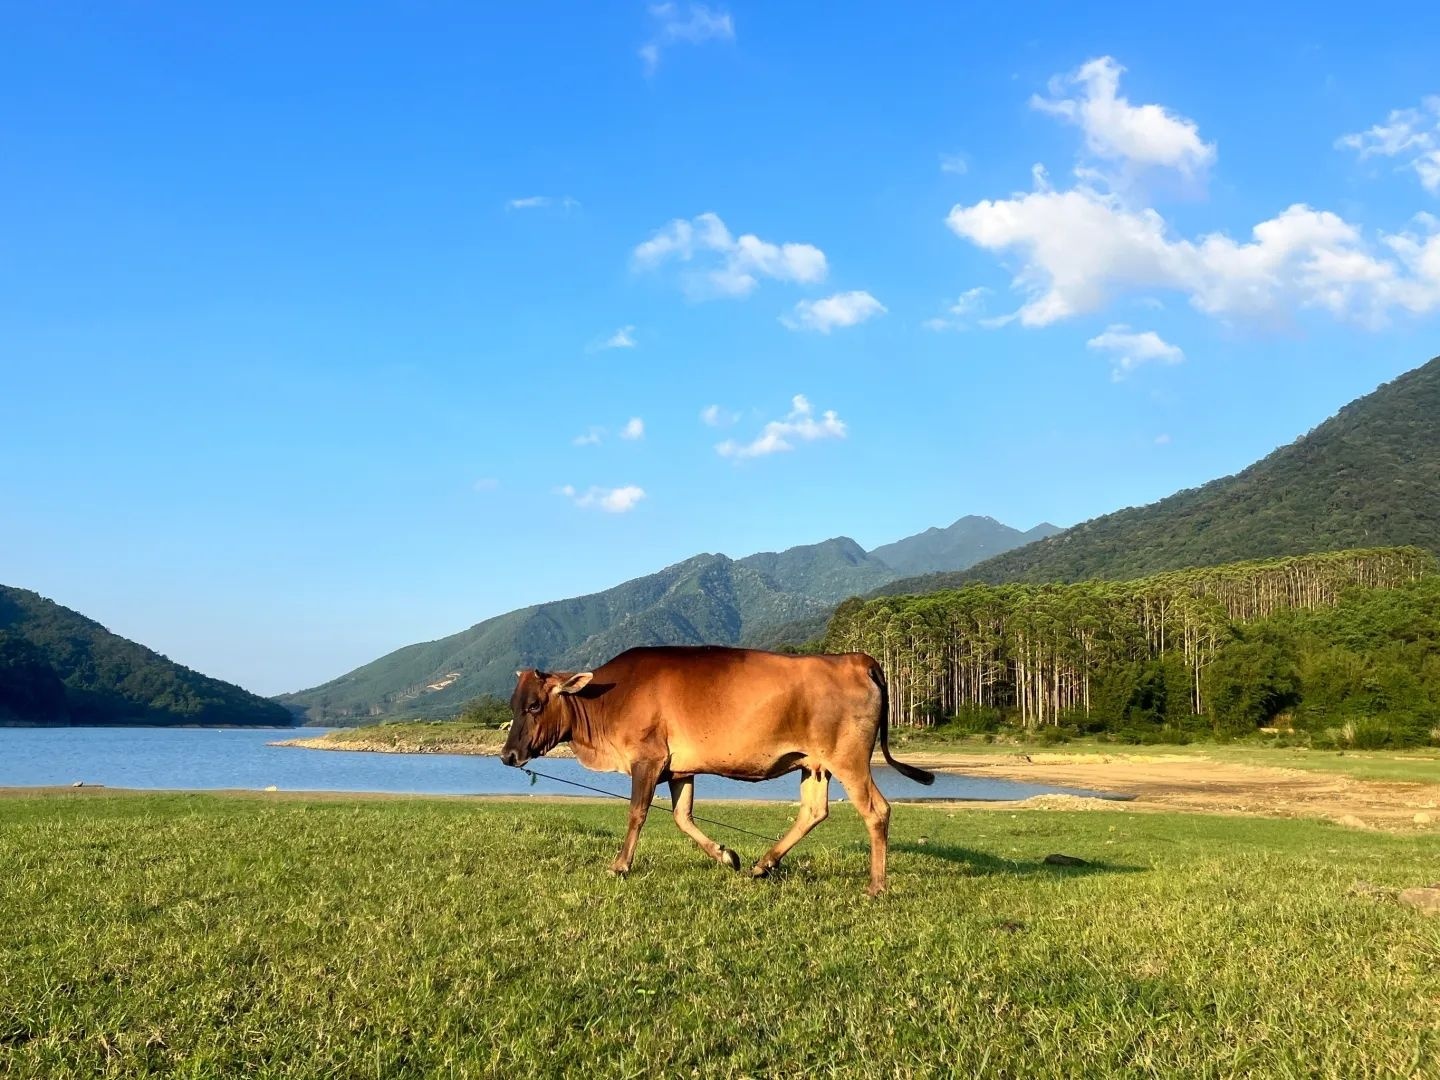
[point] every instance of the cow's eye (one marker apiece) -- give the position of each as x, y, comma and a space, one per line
533, 707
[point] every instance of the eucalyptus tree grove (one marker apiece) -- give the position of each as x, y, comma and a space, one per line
1036, 650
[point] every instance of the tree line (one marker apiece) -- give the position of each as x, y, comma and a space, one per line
1178, 648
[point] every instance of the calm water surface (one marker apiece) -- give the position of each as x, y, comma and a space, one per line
209, 758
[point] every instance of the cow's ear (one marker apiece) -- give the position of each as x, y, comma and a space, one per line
575, 683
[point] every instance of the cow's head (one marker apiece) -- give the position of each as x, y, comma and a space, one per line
541, 718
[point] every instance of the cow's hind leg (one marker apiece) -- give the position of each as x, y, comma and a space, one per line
682, 798
875, 812
814, 808
644, 775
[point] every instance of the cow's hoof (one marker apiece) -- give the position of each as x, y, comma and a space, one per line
619, 871
730, 858
760, 870
875, 890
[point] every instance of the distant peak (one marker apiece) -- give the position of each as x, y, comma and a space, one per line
983, 523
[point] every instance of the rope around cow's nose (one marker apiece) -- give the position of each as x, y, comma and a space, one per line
534, 775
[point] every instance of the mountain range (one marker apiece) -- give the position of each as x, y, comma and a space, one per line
705, 599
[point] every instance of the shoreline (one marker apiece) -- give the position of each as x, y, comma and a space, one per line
374, 746
1033, 802
1144, 782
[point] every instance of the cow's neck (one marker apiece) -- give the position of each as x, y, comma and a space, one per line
587, 732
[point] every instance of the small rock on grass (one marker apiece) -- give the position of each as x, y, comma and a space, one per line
1064, 860
1424, 900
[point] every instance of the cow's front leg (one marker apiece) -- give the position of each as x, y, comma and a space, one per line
644, 775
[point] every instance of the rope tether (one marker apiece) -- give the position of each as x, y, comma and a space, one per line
601, 791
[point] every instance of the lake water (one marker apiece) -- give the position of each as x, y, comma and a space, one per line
210, 758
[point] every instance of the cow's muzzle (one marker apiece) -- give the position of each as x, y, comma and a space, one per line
512, 758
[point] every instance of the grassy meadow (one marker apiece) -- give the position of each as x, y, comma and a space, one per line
221, 935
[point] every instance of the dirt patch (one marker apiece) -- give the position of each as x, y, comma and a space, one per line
1184, 782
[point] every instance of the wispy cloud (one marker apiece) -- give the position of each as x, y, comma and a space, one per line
842, 309
592, 437
619, 500
1129, 349
1410, 136
732, 265
541, 202
696, 25
624, 338
632, 430
799, 425
717, 416
955, 164
959, 311
486, 483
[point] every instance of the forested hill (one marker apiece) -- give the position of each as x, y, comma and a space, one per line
1367, 477
58, 667
1343, 646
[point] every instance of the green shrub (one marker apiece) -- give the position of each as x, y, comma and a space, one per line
972, 720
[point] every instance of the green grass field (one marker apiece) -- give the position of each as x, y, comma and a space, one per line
212, 935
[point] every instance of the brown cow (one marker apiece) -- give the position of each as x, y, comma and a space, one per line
669, 713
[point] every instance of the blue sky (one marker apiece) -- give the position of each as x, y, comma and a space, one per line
320, 329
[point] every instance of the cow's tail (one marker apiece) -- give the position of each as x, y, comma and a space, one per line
920, 776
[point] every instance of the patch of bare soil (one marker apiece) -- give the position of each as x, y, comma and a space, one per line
1183, 782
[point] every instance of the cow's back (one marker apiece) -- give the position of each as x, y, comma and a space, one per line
742, 712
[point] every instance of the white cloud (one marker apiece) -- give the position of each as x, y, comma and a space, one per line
624, 338
966, 305
612, 500
799, 425
1077, 249
698, 24
634, 429
1410, 135
1128, 349
842, 309
1115, 130
540, 202
956, 164
715, 416
486, 483
592, 437
732, 265
1162, 440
